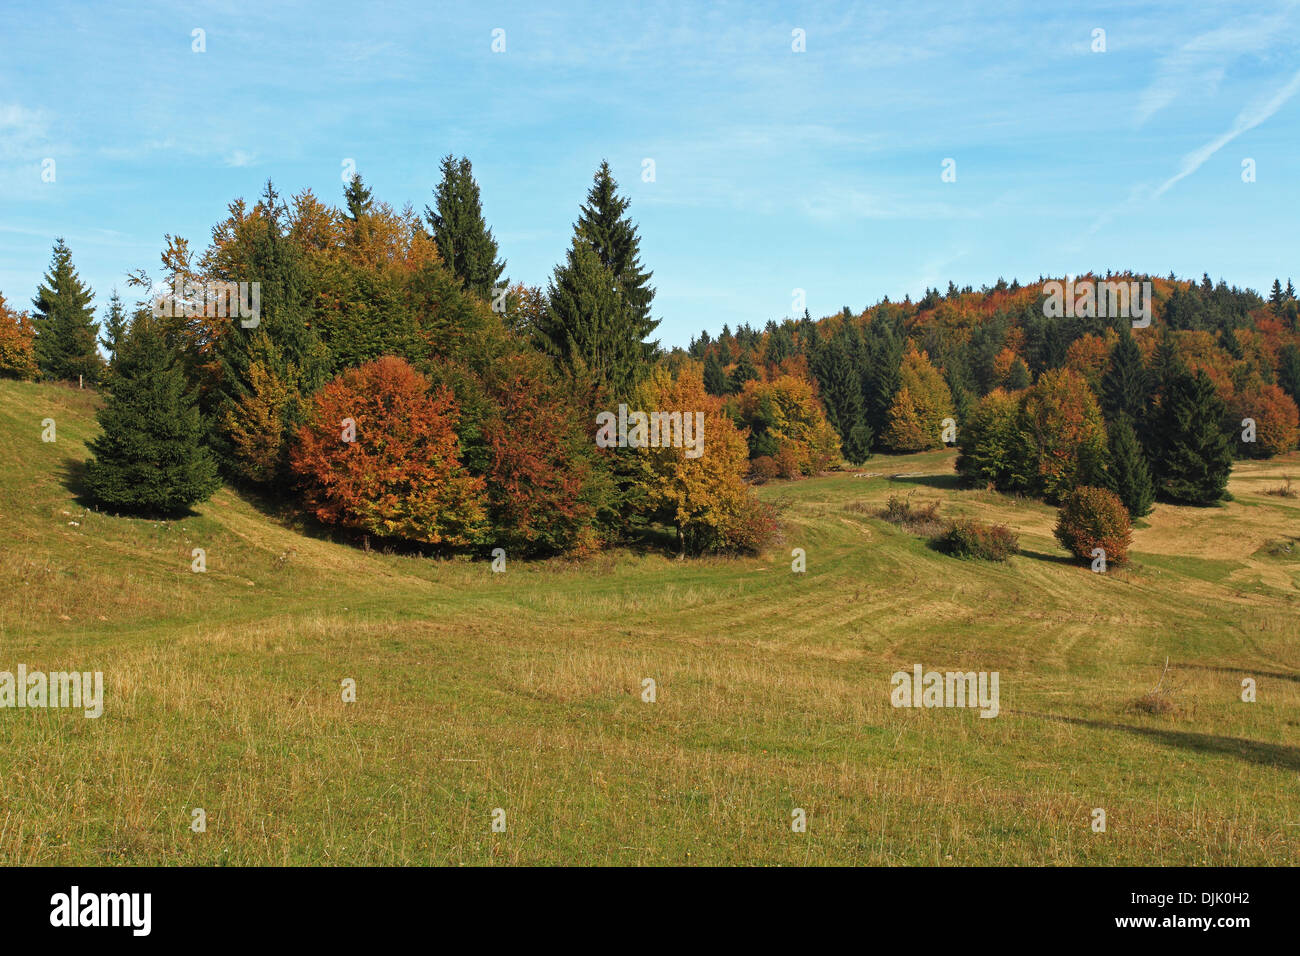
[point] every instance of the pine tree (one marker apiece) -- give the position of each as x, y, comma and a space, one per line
149, 457
840, 382
1018, 377
297, 357
604, 224
600, 302
742, 373
715, 376
358, 198
115, 326
586, 327
881, 373
1276, 298
65, 322
1126, 386
1194, 457
460, 231
1128, 475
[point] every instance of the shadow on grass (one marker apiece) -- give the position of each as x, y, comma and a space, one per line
1247, 671
1252, 751
1053, 558
946, 482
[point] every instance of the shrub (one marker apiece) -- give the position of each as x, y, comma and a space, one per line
763, 469
968, 538
1094, 518
919, 519
17, 344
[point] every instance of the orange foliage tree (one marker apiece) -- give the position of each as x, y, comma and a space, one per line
17, 344
1277, 421
400, 475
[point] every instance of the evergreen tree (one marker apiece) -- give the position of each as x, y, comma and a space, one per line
115, 326
1128, 475
463, 238
1288, 371
1276, 297
65, 322
880, 369
1018, 377
605, 225
1194, 456
358, 199
715, 376
742, 373
840, 382
1126, 386
599, 311
587, 327
295, 354
150, 456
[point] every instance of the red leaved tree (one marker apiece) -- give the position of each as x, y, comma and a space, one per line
395, 471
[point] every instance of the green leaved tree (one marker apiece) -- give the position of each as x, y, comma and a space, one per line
65, 322
460, 231
150, 456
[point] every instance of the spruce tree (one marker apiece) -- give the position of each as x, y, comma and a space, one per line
586, 326
357, 198
1126, 386
881, 364
115, 326
715, 376
742, 373
839, 380
604, 224
460, 231
599, 312
1128, 475
1194, 457
300, 358
65, 322
150, 456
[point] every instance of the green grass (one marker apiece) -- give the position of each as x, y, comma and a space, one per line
523, 690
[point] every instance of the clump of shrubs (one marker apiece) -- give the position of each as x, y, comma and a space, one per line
1092, 518
968, 538
922, 519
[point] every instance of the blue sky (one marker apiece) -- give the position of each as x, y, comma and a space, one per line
775, 170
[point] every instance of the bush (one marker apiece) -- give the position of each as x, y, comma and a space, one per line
967, 538
1094, 518
763, 469
919, 519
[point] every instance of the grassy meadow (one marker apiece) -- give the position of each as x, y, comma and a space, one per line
522, 691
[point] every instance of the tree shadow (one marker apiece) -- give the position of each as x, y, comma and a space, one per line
72, 471
1246, 671
1252, 751
945, 482
1053, 558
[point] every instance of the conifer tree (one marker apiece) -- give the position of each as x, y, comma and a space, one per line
464, 240
358, 198
115, 326
599, 312
1127, 474
1194, 457
1126, 386
840, 382
150, 456
64, 322
745, 371
715, 376
881, 370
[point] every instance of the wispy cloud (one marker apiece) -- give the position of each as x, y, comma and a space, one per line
1247, 119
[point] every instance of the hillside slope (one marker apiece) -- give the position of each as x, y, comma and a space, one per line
523, 690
